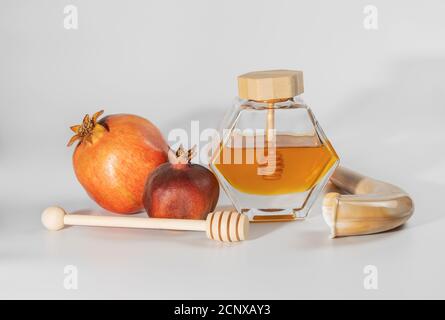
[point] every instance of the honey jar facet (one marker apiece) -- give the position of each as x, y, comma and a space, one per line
272, 157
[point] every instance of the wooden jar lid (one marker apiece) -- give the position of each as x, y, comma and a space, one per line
270, 85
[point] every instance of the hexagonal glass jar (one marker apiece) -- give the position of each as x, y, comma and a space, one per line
272, 157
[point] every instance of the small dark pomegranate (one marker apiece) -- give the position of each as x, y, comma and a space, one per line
179, 189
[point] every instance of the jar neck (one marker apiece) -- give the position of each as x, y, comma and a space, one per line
271, 102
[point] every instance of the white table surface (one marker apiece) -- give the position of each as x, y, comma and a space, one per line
294, 260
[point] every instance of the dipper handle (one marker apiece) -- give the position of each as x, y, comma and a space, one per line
134, 222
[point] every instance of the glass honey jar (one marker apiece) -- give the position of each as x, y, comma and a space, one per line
271, 156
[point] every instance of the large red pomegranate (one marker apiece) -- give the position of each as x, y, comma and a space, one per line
114, 157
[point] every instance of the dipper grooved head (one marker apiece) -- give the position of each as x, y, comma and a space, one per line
227, 226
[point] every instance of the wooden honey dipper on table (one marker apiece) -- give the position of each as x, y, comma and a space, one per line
225, 226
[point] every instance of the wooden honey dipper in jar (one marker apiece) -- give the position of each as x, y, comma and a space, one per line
272, 165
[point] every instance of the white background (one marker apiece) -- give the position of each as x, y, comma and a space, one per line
378, 94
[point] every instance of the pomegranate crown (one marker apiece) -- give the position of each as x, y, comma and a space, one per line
86, 130
181, 156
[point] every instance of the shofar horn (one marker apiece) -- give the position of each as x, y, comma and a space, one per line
372, 206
